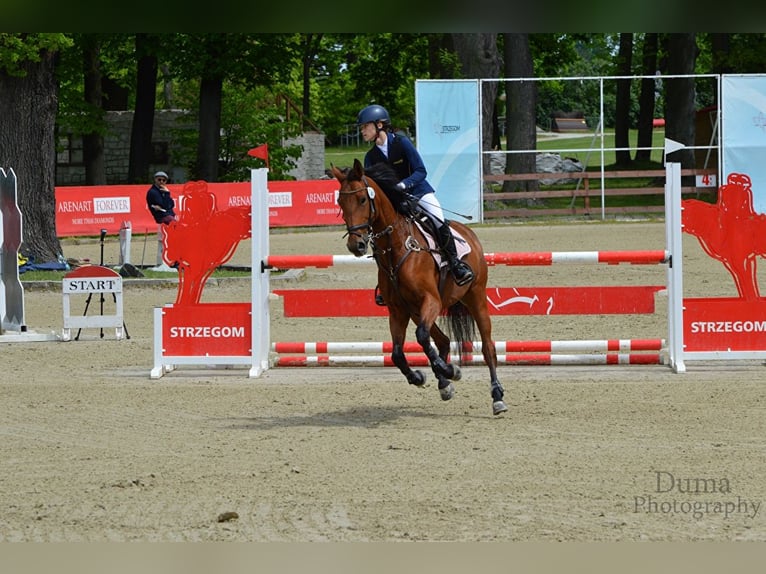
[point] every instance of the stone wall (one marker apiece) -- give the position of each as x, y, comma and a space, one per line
71, 171
311, 163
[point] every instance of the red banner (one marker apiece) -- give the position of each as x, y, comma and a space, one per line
86, 210
610, 300
214, 329
724, 324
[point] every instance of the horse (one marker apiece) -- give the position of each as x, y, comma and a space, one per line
413, 285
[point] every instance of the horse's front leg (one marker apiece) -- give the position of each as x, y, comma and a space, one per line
397, 324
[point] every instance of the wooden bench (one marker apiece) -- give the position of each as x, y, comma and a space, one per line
569, 125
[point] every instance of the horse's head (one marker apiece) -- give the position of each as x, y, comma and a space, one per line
356, 199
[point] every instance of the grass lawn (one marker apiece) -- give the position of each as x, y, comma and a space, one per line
585, 148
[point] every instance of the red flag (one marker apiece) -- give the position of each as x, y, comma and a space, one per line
261, 152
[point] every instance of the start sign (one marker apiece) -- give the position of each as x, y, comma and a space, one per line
92, 279
87, 280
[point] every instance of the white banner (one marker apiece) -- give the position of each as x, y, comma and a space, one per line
448, 138
743, 132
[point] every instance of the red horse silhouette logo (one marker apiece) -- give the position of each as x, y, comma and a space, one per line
730, 231
202, 239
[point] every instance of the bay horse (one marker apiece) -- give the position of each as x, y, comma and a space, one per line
413, 286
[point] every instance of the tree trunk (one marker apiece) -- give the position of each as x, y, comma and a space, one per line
647, 97
438, 43
622, 103
720, 44
313, 44
209, 143
143, 117
93, 142
520, 117
479, 58
115, 97
28, 108
679, 96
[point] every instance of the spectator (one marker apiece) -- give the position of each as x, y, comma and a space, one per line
159, 201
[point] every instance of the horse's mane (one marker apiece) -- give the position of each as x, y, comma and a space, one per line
385, 176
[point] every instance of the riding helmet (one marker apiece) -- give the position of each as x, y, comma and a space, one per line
373, 113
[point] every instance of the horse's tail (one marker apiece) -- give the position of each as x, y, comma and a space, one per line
461, 328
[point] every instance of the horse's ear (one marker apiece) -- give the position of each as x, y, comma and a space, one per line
358, 168
336, 173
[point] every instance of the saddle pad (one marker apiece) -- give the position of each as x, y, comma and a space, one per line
461, 245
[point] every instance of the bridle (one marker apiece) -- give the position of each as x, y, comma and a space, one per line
369, 237
383, 257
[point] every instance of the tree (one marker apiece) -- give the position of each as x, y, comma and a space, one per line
212, 59
622, 101
311, 46
520, 111
93, 140
28, 105
146, 100
681, 52
647, 97
479, 58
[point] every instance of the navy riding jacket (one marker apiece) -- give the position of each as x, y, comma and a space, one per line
405, 160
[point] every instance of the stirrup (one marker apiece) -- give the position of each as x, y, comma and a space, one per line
467, 275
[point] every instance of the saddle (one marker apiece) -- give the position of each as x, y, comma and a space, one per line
428, 229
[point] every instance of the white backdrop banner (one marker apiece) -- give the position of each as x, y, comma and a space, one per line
448, 137
743, 131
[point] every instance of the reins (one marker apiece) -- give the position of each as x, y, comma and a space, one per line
368, 226
410, 245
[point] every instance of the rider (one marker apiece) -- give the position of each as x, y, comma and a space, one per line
399, 152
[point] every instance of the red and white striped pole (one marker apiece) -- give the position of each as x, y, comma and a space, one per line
645, 257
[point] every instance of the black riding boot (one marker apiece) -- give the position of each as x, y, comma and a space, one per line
378, 297
461, 271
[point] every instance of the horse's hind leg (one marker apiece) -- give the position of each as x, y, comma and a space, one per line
490, 358
397, 323
480, 313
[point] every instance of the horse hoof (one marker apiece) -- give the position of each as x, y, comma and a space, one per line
498, 407
457, 374
417, 378
447, 392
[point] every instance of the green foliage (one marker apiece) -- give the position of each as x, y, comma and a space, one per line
747, 53
344, 71
372, 68
588, 58
17, 49
249, 118
117, 62
246, 59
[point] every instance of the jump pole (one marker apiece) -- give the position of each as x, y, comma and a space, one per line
581, 346
522, 259
420, 360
